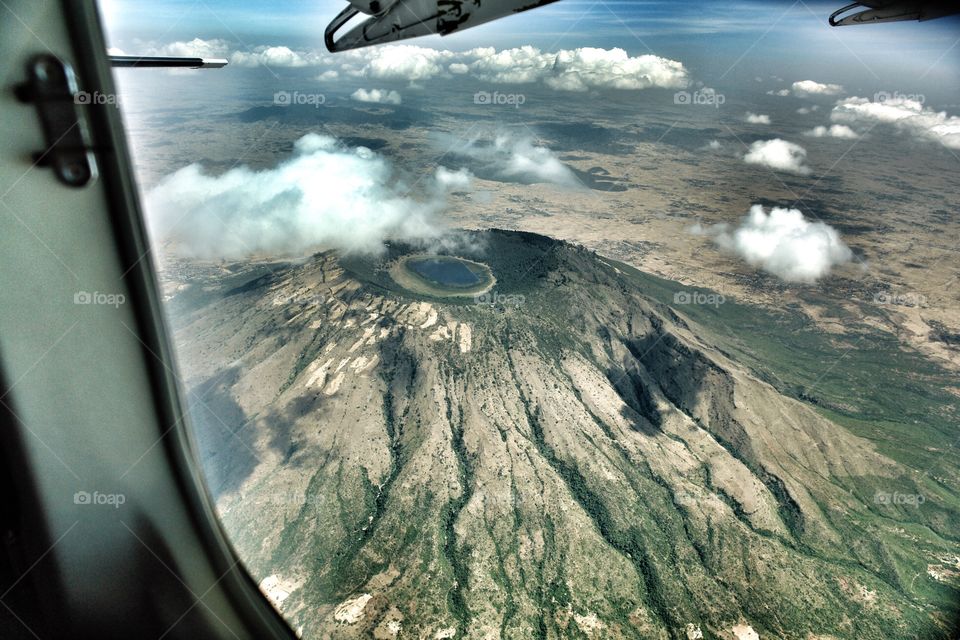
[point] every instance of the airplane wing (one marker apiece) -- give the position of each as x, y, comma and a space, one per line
391, 20
875, 11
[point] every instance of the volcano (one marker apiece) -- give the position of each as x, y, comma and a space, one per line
565, 457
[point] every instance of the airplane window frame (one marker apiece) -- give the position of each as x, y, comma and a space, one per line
252, 614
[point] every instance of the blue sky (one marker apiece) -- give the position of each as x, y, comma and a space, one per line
739, 39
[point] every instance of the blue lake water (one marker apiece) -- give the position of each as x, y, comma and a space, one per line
447, 272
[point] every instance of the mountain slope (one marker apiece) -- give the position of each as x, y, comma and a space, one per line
571, 461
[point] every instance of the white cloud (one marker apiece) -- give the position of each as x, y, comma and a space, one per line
591, 68
757, 118
578, 69
271, 57
906, 114
404, 62
197, 47
779, 155
453, 180
328, 75
714, 144
781, 92
812, 88
834, 131
325, 196
784, 243
512, 158
376, 95
511, 66
526, 159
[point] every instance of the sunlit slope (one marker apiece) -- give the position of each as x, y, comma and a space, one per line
574, 461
